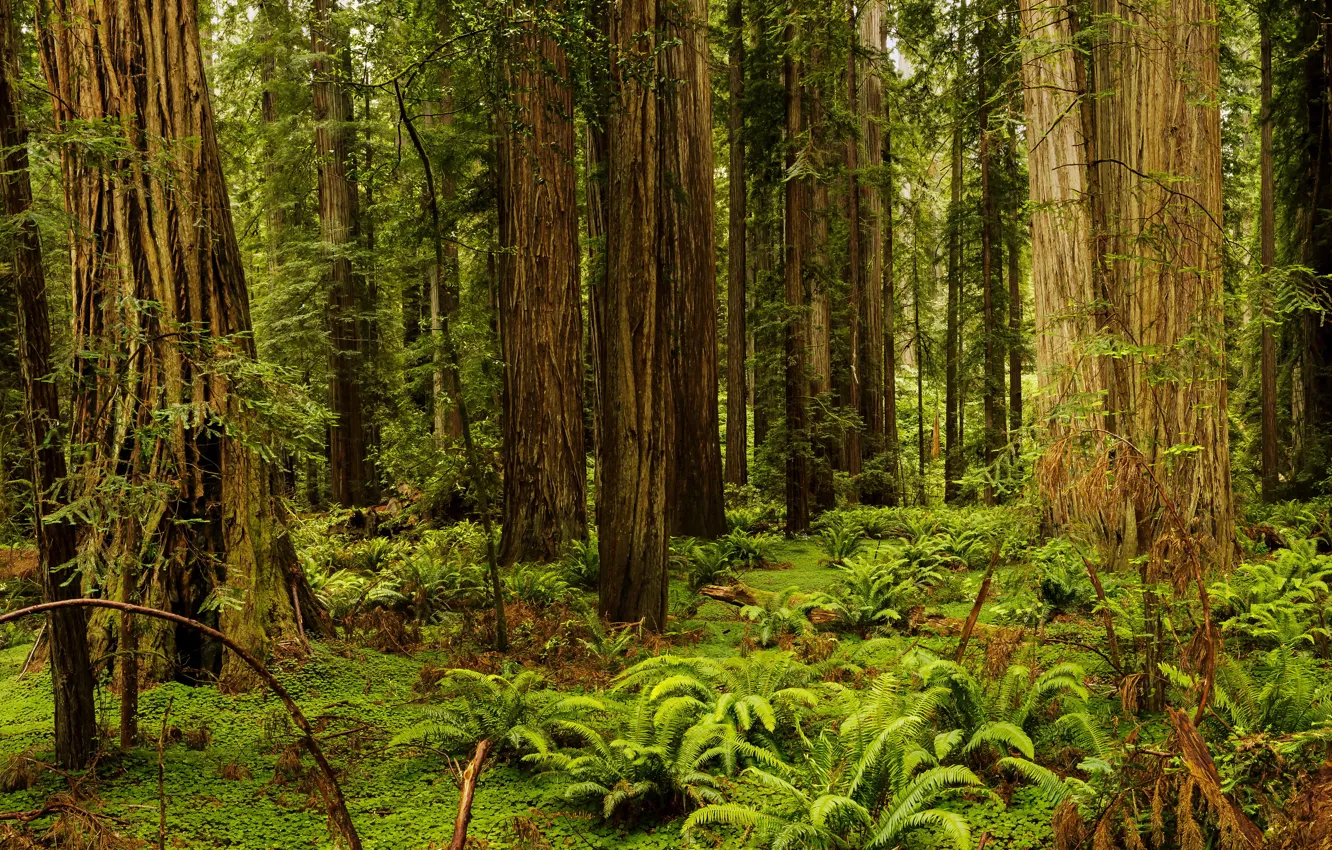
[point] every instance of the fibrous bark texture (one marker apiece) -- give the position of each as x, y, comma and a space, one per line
160, 305
71, 672
688, 268
737, 425
636, 434
545, 474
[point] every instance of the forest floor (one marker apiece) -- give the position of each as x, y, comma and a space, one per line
232, 774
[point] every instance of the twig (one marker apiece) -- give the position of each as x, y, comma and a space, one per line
161, 778
976, 607
41, 633
470, 777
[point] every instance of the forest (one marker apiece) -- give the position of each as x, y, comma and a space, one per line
768, 424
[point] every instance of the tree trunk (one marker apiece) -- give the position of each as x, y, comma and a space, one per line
1014, 301
737, 430
1157, 75
636, 427
892, 442
596, 144
687, 264
71, 670
953, 436
871, 209
444, 283
1267, 243
992, 397
797, 229
545, 464
855, 263
151, 223
339, 214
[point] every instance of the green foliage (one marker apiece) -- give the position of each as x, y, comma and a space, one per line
745, 551
784, 614
871, 593
538, 585
656, 766
582, 562
512, 713
841, 538
1282, 602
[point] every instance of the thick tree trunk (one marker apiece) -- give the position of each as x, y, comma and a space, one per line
596, 149
1061, 235
1157, 75
797, 229
545, 464
636, 429
71, 671
687, 264
444, 283
1267, 250
350, 475
737, 430
151, 223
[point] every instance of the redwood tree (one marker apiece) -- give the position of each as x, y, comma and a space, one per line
350, 474
688, 269
71, 670
171, 468
737, 425
636, 435
541, 328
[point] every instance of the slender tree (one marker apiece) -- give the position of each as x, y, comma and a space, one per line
339, 224
71, 670
687, 265
737, 425
954, 461
1014, 296
1267, 260
158, 406
797, 224
541, 331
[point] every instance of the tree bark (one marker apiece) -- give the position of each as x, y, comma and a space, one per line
687, 265
350, 475
636, 427
1157, 75
1014, 301
71, 670
1267, 259
545, 463
737, 426
871, 209
855, 262
992, 397
797, 229
152, 223
892, 442
954, 462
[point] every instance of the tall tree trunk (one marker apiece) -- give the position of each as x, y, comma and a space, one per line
636, 429
992, 397
953, 458
339, 214
1157, 76
827, 451
1014, 299
1267, 259
269, 13
737, 430
71, 670
892, 443
855, 262
151, 224
596, 149
871, 208
687, 264
797, 229
545, 464
1061, 233
444, 282
920, 357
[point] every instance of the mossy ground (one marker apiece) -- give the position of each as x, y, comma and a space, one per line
232, 793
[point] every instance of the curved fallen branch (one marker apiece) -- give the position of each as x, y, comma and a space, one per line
337, 805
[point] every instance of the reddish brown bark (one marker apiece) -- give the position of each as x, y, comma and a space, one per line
545, 474
737, 426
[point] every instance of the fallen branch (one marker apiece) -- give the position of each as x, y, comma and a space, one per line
741, 595
337, 805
